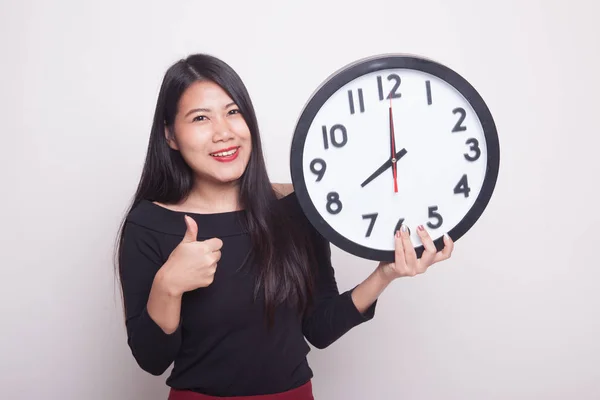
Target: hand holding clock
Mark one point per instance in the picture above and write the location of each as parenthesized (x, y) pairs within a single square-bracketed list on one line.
[(444, 114), (406, 262)]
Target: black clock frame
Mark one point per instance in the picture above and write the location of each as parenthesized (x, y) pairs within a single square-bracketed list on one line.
[(365, 66)]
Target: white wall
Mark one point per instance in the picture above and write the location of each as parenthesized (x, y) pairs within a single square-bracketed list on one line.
[(512, 315)]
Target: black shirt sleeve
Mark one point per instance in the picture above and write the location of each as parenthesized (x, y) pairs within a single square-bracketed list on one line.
[(152, 348), (332, 314)]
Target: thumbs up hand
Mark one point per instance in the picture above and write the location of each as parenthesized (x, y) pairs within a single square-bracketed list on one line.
[(192, 264)]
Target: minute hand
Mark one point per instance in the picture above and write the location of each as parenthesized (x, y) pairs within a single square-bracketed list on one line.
[(385, 166)]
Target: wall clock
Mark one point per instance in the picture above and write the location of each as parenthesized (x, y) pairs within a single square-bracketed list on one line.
[(394, 139)]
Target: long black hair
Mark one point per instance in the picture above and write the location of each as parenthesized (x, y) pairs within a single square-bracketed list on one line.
[(284, 260)]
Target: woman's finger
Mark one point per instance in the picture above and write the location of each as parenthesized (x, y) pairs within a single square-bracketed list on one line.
[(446, 252), (429, 251), (409, 251), (400, 261)]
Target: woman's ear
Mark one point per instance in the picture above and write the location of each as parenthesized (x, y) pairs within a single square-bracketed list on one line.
[(170, 138)]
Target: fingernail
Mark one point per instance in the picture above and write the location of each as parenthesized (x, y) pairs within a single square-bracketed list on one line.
[(446, 236), (397, 234), (403, 227), (420, 227)]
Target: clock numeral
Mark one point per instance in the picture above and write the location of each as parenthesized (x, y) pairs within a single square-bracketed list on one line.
[(399, 224), (333, 136), (334, 205), (462, 186), (428, 88), (458, 126), (435, 215), (322, 167), (361, 103), (474, 146), (392, 94), (372, 217)]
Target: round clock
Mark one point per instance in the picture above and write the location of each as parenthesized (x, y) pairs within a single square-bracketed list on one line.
[(391, 140)]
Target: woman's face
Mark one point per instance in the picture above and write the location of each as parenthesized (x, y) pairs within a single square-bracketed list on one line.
[(211, 134)]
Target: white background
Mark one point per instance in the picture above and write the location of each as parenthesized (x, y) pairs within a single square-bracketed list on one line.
[(514, 314)]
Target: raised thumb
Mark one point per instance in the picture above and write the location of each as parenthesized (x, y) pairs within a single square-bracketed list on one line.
[(191, 233)]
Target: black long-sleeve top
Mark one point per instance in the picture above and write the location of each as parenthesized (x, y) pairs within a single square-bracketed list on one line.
[(222, 346)]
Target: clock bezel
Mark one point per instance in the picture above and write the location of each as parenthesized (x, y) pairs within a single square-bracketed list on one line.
[(355, 70)]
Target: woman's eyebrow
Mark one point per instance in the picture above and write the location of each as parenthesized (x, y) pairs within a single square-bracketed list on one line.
[(197, 110), (207, 109)]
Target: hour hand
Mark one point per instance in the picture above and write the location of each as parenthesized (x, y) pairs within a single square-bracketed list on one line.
[(385, 166)]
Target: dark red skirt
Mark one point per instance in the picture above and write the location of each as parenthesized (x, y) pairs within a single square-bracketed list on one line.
[(303, 392)]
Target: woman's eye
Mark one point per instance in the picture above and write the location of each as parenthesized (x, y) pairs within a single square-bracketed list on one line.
[(199, 118), (234, 111)]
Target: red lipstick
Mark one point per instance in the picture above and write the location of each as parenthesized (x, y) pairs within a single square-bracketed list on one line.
[(227, 158)]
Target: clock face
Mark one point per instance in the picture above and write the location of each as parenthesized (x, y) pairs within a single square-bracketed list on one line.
[(392, 140)]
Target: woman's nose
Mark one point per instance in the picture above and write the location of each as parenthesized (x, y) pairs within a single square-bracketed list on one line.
[(222, 130)]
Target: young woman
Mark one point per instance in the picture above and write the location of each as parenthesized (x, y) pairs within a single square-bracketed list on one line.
[(222, 275)]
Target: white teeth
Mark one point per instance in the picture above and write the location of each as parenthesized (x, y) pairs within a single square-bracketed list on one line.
[(225, 153)]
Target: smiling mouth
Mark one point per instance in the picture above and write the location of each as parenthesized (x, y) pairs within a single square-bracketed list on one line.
[(225, 153)]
